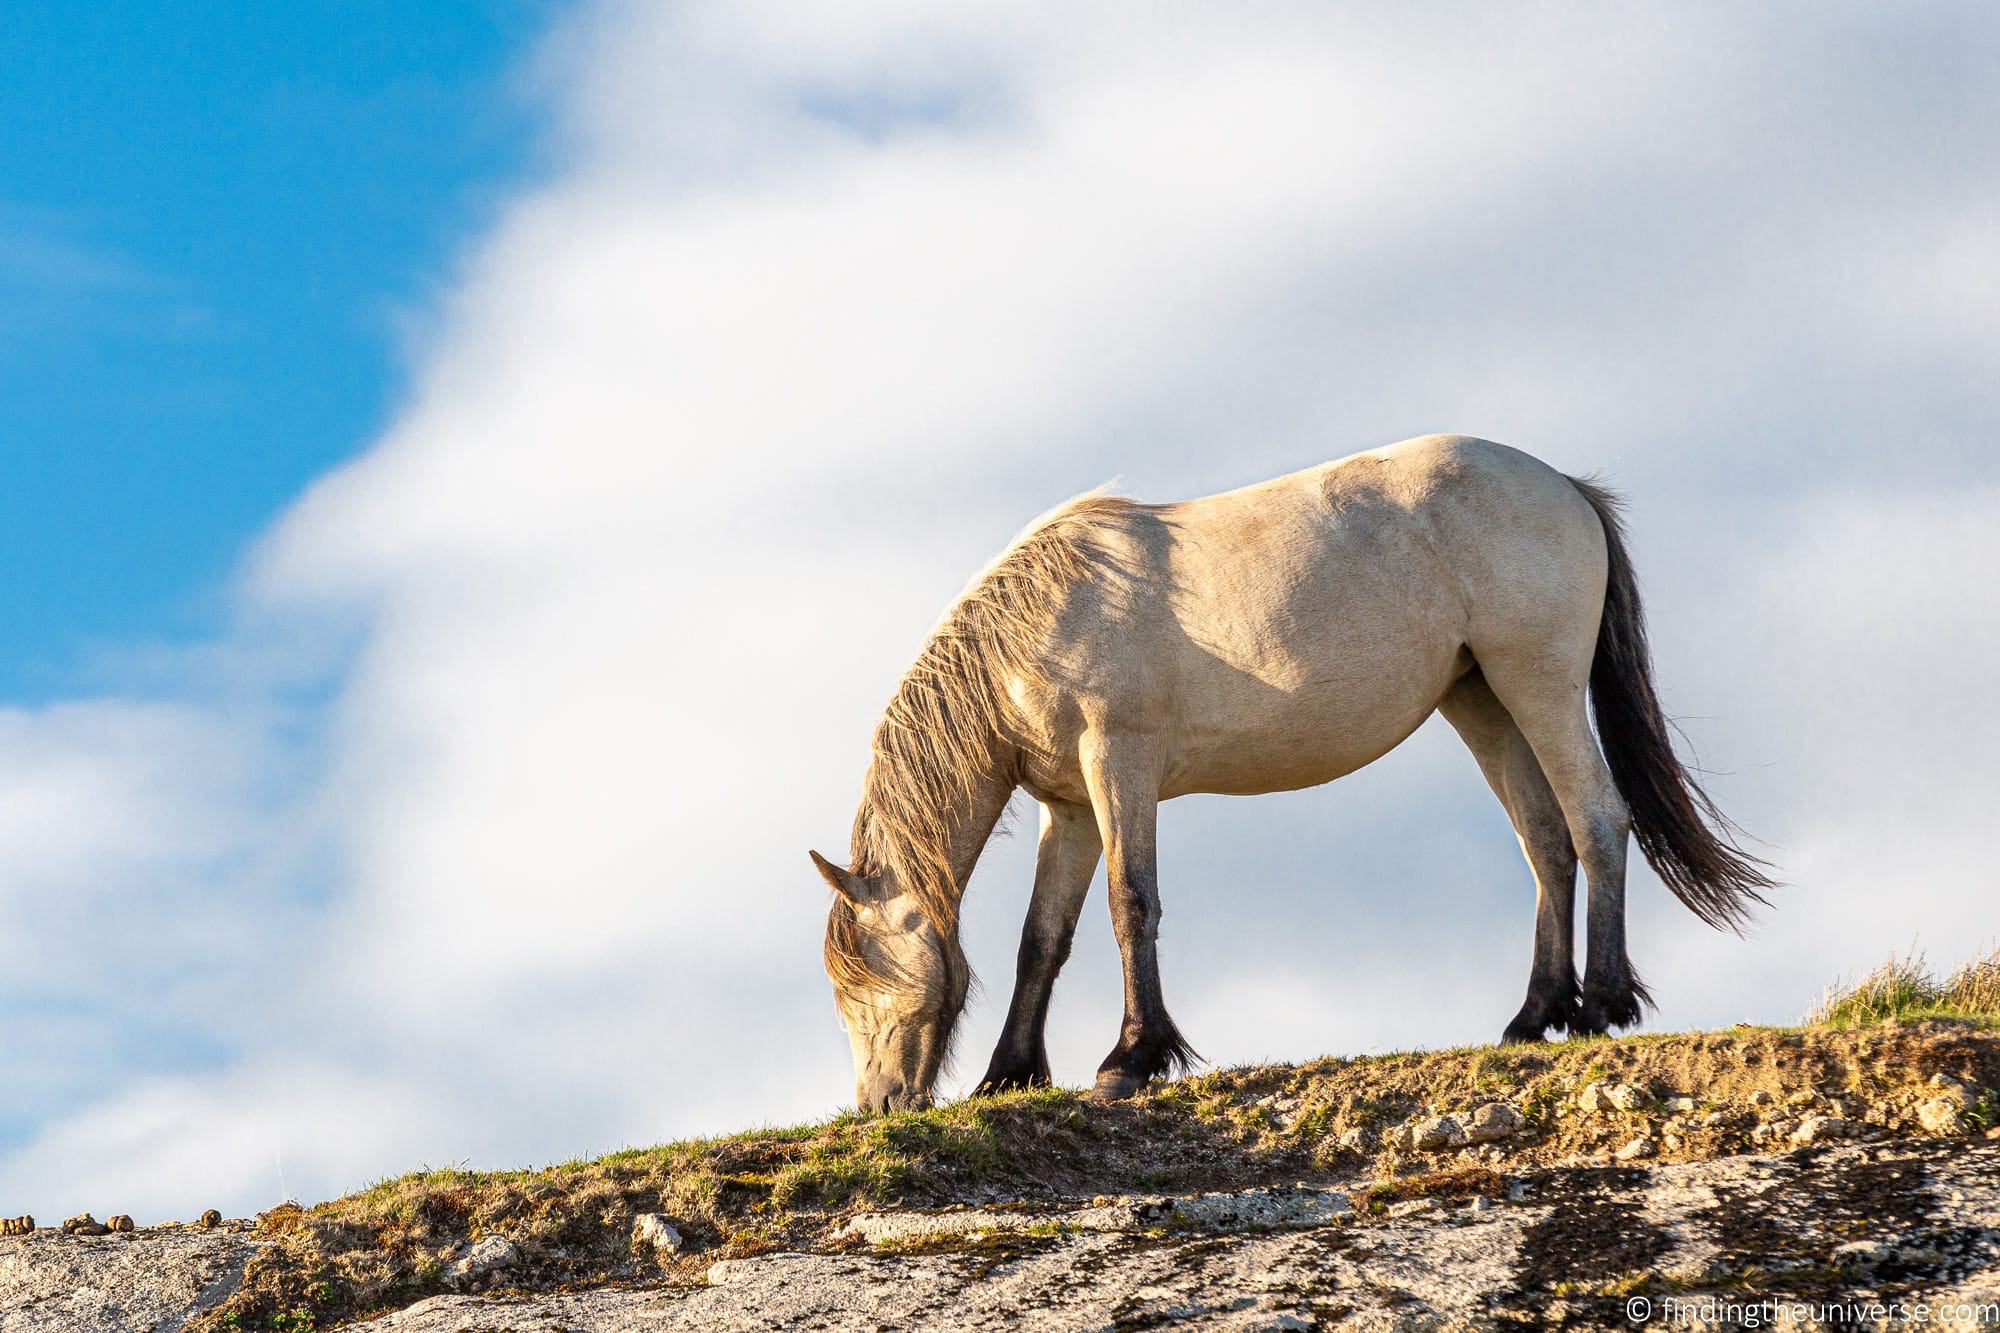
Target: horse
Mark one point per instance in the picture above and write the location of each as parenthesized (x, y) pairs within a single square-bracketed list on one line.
[(1276, 637)]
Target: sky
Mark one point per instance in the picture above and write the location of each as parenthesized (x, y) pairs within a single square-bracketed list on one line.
[(470, 492), (219, 229)]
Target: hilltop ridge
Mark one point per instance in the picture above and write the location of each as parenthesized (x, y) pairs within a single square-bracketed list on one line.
[(1552, 1182)]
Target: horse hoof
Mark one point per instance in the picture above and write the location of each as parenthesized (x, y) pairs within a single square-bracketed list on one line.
[(1590, 1021), (1598, 1017), (1114, 1086), (998, 1082)]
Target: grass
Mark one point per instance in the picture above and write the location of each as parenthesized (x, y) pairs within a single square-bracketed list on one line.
[(1459, 1183), (734, 1184), (1905, 990), (742, 1194)]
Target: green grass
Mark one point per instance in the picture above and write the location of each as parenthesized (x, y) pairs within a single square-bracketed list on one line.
[(1906, 990)]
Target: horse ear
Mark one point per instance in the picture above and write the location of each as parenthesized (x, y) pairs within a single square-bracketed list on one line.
[(843, 882)]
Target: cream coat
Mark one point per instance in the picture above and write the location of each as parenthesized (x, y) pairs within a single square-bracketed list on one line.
[(1267, 639)]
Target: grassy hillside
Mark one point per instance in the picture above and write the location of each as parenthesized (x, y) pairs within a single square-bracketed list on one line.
[(1877, 1059)]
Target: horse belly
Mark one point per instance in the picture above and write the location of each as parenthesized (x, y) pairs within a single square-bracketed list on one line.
[(1310, 657), (1250, 745)]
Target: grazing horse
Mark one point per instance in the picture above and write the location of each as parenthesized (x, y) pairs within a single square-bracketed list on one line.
[(1275, 637)]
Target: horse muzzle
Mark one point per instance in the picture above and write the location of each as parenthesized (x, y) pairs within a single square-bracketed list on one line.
[(891, 1097)]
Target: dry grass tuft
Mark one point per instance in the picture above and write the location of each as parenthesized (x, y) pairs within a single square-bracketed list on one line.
[(1905, 990)]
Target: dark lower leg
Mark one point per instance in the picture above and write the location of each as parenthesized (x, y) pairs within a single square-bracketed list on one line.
[(1612, 993), (1545, 841), (1021, 1058), (1552, 988), (1552, 999), (1065, 860), (1515, 774), (1149, 1044), (1124, 790)]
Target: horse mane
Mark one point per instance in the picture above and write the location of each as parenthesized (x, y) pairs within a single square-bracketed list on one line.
[(950, 728)]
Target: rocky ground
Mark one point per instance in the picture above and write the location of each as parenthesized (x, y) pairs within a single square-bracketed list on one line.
[(1907, 1226), (1850, 1178), (1916, 1226), (154, 1278)]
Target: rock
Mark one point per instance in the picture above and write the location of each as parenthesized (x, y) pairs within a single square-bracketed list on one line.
[(1614, 1097), (1259, 1209), (1419, 1263), (16, 1226), (1354, 1140), (1713, 1119), (120, 1222), (1594, 1097), (1629, 1097), (209, 1220), (652, 1231), (1951, 1090), (1681, 1105), (1761, 1098), (1864, 1251), (1439, 1266), (1495, 1120), (1240, 1210), (1764, 1133), (485, 1256), (1821, 1129), (1801, 1099), (83, 1224), (52, 1283), (1437, 1134), (1637, 1149), (1940, 1115)]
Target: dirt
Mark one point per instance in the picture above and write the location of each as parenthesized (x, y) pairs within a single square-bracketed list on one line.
[(1094, 1217)]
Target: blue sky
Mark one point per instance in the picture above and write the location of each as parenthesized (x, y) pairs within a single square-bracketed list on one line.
[(217, 223)]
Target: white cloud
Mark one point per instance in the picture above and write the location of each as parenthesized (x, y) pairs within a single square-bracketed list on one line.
[(813, 316)]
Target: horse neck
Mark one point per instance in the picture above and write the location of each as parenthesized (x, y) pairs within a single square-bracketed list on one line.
[(968, 822), (972, 826)]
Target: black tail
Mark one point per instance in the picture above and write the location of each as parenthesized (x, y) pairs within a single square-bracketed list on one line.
[(1688, 841)]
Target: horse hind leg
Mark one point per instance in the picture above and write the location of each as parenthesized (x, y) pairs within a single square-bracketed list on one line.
[(1543, 690), (1511, 770), (1065, 860)]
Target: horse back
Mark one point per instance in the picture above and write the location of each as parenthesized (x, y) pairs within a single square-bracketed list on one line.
[(1286, 633)]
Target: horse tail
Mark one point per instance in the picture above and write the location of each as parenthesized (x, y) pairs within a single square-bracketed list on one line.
[(1688, 841)]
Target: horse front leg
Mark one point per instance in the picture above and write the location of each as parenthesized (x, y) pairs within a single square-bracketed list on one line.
[(1065, 859), (1124, 789)]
